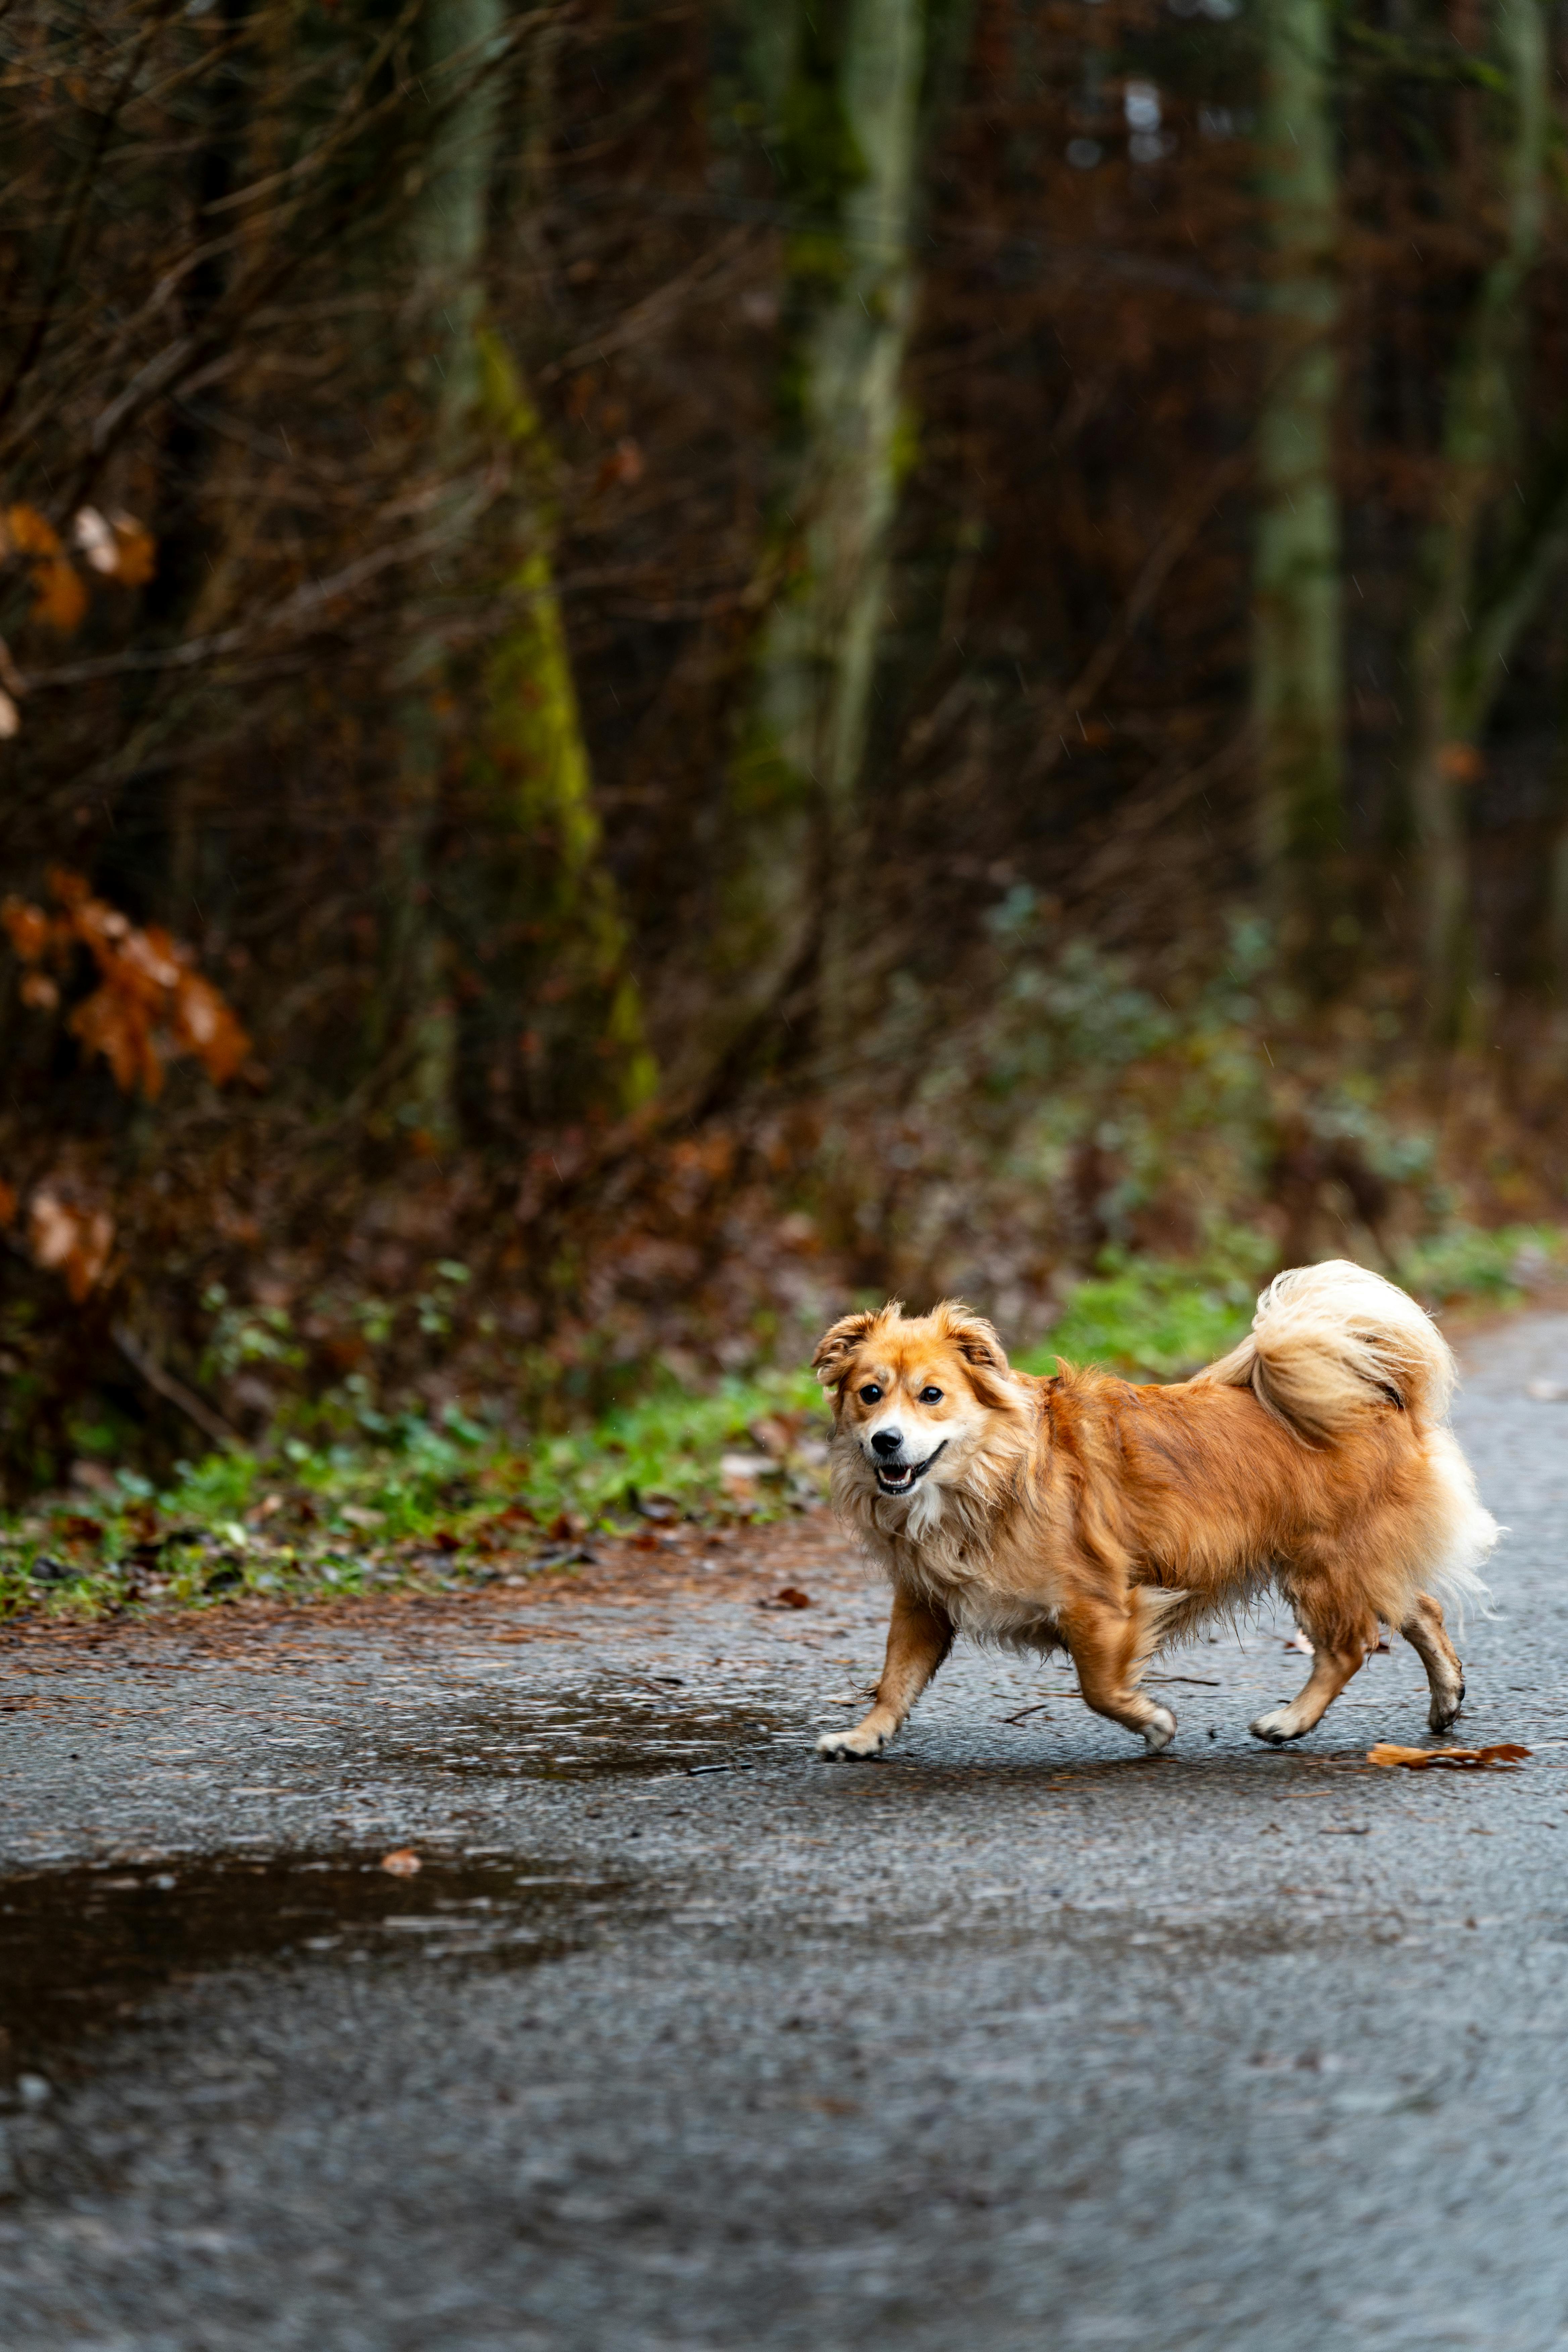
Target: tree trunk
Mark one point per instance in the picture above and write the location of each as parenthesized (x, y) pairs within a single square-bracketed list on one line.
[(850, 107), (411, 1030), (1557, 896), (145, 862), (1451, 689), (1557, 927), (549, 1018), (1297, 663), (509, 998)]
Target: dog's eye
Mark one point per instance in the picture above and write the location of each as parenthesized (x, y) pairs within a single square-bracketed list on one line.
[(931, 1396), (870, 1393)]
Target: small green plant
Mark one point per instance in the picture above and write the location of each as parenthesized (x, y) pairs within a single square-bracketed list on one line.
[(246, 1335)]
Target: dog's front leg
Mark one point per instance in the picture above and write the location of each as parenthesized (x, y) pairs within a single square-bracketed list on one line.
[(918, 1637)]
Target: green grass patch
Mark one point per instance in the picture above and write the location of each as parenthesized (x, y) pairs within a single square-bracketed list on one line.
[(1159, 1318), (1489, 1268), (406, 1502)]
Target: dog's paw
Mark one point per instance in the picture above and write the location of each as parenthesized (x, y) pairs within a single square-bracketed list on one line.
[(1276, 1728), (854, 1746), (1159, 1731), (1444, 1712)]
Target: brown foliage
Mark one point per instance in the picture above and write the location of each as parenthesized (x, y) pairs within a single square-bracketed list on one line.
[(151, 1005), (71, 1241)]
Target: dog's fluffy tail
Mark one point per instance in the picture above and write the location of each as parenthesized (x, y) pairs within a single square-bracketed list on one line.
[(1330, 1342)]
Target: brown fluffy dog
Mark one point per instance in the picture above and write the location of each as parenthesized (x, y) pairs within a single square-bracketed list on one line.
[(1082, 1513)]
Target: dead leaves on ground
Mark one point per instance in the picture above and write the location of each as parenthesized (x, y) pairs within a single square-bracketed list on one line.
[(1505, 1757)]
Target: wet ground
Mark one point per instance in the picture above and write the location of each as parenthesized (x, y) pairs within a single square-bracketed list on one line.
[(680, 2038)]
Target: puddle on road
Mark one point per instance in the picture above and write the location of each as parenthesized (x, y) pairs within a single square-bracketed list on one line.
[(81, 1949), (580, 1736)]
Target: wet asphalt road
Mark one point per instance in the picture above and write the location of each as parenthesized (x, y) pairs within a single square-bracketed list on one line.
[(1015, 2039)]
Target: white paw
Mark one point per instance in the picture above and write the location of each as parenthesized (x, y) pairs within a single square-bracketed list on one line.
[(1276, 1728), (1444, 1712), (855, 1745), (1160, 1730)]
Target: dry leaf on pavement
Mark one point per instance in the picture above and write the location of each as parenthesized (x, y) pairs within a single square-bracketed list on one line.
[(1505, 1755)]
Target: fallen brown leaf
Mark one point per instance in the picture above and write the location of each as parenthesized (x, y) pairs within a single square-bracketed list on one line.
[(403, 1862), (1503, 1756)]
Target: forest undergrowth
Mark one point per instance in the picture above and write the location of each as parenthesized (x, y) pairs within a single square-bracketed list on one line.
[(372, 1502), (1105, 1159), (297, 1373)]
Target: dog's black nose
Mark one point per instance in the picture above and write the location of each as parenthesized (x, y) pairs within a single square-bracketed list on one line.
[(887, 1441)]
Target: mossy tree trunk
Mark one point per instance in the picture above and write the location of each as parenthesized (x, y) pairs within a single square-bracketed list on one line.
[(1298, 659), (508, 951), (1458, 650), (411, 1027), (843, 87), (548, 1015)]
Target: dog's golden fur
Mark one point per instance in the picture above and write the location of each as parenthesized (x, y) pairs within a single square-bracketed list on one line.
[(1092, 1515)]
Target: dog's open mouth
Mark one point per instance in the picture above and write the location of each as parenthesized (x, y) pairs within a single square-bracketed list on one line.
[(899, 1480)]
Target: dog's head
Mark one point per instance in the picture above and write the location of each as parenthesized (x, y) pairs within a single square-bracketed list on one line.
[(916, 1397)]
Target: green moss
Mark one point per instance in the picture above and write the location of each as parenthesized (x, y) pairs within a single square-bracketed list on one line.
[(539, 879)]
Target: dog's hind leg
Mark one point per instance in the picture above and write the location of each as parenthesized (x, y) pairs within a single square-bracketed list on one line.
[(1428, 1636), (1340, 1635), (918, 1637), (1108, 1646)]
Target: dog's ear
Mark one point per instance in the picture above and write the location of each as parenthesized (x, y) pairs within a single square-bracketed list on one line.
[(975, 1339), (836, 1345)]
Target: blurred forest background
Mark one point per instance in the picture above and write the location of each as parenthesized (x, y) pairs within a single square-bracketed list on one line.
[(665, 662)]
